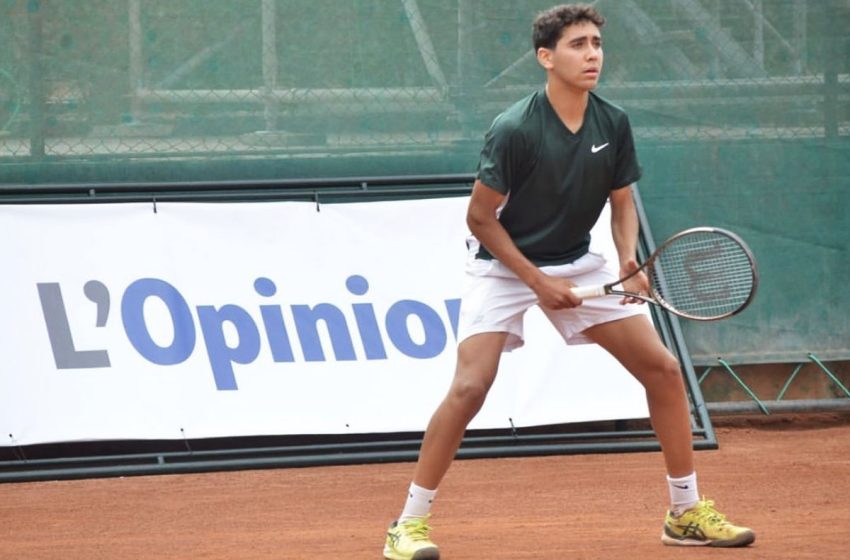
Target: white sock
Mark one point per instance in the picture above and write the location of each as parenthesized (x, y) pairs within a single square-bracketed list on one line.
[(683, 493), (418, 503)]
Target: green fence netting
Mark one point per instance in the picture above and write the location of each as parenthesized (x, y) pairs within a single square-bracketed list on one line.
[(741, 111)]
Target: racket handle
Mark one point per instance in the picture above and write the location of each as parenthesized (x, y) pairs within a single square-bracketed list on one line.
[(585, 292)]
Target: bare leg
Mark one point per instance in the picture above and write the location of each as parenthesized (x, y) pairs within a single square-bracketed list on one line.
[(636, 344), (477, 363)]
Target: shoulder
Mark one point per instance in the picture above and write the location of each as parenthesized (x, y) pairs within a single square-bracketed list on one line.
[(517, 119), (607, 107), (607, 111)]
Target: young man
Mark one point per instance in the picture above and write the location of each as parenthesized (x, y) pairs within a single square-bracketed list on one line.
[(548, 166)]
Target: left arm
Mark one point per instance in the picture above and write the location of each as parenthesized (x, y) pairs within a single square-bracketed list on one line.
[(624, 231)]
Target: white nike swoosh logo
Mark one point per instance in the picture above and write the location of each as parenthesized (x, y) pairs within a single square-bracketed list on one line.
[(594, 148)]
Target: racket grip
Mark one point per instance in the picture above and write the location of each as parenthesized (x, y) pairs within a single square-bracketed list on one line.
[(585, 292)]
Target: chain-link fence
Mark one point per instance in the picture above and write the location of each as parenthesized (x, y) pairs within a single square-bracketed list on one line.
[(177, 78)]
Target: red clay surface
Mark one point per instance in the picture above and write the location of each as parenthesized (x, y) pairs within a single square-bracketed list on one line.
[(788, 479)]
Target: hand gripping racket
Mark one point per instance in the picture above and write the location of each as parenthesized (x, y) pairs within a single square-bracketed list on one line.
[(703, 273)]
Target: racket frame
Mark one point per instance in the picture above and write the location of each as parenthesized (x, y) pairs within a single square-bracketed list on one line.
[(655, 296)]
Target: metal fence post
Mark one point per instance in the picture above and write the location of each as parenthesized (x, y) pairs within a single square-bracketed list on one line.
[(36, 79), (269, 34)]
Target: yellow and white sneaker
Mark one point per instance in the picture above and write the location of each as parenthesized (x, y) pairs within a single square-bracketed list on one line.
[(702, 525), (409, 541)]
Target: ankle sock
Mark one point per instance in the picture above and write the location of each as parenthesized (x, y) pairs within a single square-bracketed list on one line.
[(418, 502), (683, 493)]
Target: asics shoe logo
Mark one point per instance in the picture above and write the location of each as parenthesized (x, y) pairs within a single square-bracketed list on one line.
[(691, 530)]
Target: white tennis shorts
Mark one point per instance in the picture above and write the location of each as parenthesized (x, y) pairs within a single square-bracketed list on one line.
[(495, 300)]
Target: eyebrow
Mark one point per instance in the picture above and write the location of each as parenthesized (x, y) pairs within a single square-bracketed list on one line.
[(583, 38)]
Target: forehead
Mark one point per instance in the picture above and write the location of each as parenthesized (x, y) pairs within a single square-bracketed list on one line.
[(580, 30)]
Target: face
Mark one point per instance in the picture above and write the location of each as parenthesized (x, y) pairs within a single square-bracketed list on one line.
[(576, 59)]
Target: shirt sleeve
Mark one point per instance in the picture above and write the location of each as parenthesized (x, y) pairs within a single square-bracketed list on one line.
[(628, 169), (501, 162)]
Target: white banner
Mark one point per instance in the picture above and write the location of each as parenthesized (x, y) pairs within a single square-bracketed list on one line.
[(237, 319)]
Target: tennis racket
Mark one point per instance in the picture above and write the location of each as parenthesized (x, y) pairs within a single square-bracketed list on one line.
[(702, 273)]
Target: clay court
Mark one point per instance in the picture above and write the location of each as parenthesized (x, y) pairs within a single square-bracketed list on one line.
[(785, 476)]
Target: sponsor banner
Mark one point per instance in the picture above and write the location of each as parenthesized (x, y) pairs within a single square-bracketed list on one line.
[(236, 319)]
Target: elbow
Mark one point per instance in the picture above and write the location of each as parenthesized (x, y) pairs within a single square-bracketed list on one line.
[(478, 220), (474, 219)]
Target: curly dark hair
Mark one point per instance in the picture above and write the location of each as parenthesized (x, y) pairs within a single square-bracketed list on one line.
[(548, 26)]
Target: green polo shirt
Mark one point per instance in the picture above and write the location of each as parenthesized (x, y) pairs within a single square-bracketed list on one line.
[(556, 182)]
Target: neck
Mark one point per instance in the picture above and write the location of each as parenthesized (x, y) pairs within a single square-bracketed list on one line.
[(568, 102)]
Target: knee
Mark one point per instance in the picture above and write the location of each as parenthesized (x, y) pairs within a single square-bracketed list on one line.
[(670, 368), (664, 372), (469, 394)]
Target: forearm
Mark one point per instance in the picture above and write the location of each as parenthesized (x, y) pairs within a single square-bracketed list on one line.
[(490, 233), (624, 228)]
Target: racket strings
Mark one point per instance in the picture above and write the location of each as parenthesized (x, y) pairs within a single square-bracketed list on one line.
[(704, 274)]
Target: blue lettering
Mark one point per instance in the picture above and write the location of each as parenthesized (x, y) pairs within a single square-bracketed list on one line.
[(132, 315), (414, 328), (453, 309), (367, 324), (435, 332), (221, 355), (273, 320), (306, 323)]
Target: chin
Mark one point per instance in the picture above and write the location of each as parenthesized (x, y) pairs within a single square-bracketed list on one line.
[(586, 83)]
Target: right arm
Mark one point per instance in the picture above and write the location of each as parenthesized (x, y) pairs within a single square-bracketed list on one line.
[(552, 292)]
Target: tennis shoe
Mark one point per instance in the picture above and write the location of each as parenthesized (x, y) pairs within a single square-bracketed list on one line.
[(702, 525), (409, 540)]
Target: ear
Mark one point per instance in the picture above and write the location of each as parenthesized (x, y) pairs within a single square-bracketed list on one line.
[(544, 57)]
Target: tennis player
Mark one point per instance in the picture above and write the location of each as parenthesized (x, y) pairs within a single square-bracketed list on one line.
[(549, 164)]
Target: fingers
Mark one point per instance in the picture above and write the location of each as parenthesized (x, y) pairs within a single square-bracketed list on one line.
[(627, 300), (562, 300), (557, 293), (565, 302)]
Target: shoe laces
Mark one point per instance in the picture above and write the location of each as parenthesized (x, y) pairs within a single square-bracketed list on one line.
[(704, 511), (417, 529)]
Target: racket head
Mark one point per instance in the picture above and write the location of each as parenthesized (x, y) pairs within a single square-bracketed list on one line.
[(704, 274)]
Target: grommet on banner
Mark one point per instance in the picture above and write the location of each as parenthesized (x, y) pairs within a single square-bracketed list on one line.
[(186, 441), (17, 449)]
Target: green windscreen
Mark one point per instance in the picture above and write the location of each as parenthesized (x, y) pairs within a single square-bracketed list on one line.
[(740, 108)]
